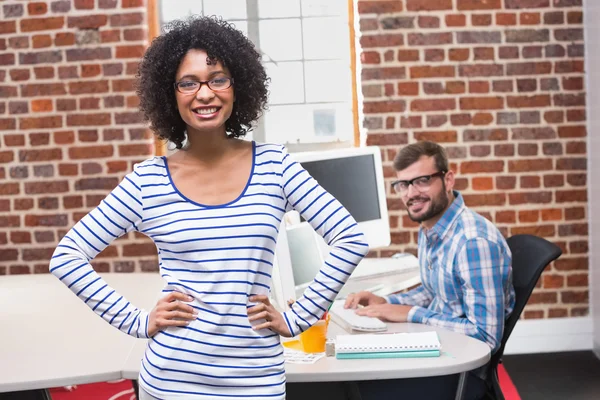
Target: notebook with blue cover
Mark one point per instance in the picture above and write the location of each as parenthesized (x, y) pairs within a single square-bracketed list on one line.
[(394, 345)]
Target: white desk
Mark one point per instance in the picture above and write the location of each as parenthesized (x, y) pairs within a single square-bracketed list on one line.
[(50, 338), (45, 335), (459, 354)]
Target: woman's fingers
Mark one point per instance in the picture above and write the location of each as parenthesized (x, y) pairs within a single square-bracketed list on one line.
[(171, 310), (259, 311), (257, 308), (270, 318), (181, 315), (178, 305), (264, 325), (262, 311), (257, 316), (163, 323), (178, 296), (260, 298)]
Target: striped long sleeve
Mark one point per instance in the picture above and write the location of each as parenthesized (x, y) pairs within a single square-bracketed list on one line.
[(119, 213), (332, 221)]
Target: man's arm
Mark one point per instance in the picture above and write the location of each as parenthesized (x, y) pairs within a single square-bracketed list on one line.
[(418, 296), (483, 268)]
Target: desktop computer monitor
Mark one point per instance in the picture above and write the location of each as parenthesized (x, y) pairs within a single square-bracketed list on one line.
[(354, 177)]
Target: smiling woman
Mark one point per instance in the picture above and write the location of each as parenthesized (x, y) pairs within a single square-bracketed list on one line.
[(225, 51), (214, 209)]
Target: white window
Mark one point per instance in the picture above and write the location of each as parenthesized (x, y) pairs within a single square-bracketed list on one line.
[(305, 47)]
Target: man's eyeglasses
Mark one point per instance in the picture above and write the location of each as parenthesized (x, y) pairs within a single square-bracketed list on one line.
[(421, 183), (192, 87)]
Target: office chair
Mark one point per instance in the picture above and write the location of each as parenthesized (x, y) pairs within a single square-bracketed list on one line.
[(530, 255)]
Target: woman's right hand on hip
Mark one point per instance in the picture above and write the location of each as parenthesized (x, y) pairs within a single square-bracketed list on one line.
[(171, 310)]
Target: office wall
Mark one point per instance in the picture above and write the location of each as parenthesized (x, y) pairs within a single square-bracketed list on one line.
[(501, 84), (69, 125)]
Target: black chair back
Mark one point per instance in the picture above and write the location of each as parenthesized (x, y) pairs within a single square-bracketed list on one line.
[(530, 255)]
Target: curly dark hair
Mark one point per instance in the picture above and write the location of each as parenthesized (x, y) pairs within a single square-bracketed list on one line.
[(221, 41)]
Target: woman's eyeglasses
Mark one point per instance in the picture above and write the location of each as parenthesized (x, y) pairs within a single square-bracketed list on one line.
[(192, 87)]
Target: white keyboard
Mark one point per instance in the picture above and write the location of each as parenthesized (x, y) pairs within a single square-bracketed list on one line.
[(373, 267), (350, 321), (355, 286)]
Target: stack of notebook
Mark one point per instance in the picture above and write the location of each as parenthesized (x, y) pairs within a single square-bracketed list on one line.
[(394, 345)]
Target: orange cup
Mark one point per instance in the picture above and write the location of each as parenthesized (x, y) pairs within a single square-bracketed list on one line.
[(313, 339)]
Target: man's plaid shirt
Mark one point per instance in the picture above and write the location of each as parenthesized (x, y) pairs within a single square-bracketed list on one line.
[(466, 277)]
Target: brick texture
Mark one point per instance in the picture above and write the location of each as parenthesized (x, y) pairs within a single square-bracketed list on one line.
[(501, 85), (69, 129)]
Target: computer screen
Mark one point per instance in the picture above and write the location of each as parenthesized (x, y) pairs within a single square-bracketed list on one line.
[(352, 181), (354, 177)]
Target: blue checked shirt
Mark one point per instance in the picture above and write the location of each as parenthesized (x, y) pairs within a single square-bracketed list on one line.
[(466, 277)]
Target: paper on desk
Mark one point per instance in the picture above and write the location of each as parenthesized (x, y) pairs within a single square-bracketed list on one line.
[(300, 357)]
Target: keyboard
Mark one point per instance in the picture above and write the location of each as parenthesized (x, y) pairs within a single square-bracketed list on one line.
[(350, 321), (370, 268), (355, 286), (374, 267)]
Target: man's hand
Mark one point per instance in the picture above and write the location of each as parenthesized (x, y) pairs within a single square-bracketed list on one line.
[(386, 312), (170, 311), (363, 298), (273, 318)]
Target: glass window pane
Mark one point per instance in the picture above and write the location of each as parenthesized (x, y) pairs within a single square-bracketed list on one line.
[(287, 82), (230, 9), (281, 39), (324, 122), (326, 38), (309, 123), (287, 124), (343, 123), (194, 7), (328, 81), (178, 9), (316, 8), (242, 26), (278, 8)]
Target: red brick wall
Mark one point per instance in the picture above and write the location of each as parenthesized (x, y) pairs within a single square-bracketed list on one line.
[(500, 83), (69, 125)]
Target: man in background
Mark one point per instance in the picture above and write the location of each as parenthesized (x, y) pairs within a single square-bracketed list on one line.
[(465, 268)]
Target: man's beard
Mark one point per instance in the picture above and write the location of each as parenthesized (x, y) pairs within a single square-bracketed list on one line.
[(437, 205)]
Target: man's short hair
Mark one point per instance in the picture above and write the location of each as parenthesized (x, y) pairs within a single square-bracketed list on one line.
[(410, 154)]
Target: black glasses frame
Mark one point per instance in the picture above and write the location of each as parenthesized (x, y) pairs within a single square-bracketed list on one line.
[(410, 182), (207, 83)]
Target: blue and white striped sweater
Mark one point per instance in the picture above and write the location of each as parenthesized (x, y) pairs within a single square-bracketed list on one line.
[(219, 255)]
